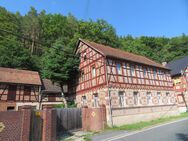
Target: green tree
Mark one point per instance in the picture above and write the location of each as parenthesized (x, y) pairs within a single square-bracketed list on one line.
[(14, 56), (31, 29), (59, 64)]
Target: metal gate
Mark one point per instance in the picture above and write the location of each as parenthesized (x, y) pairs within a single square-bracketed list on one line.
[(36, 126), (68, 119)]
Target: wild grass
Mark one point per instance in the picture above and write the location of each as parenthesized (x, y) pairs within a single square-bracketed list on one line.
[(144, 124)]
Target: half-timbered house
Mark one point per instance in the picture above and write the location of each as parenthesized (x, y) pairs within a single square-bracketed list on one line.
[(51, 93), (18, 88), (23, 87), (132, 87), (179, 74)]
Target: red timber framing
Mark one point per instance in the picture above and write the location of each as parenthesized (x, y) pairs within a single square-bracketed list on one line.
[(132, 75), (129, 75), (24, 93), (92, 69)]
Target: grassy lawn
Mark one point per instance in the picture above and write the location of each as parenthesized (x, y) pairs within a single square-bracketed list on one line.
[(144, 124)]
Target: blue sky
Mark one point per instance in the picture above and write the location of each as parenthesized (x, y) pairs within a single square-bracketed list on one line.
[(135, 17)]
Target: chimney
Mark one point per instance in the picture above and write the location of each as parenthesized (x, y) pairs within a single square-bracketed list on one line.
[(164, 63)]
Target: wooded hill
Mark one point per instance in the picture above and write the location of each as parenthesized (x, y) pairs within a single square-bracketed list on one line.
[(46, 42)]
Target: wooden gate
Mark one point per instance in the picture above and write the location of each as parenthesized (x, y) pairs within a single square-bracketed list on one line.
[(68, 119), (36, 126)]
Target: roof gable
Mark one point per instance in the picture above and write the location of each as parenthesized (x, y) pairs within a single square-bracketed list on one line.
[(84, 42), (120, 54), (9, 75)]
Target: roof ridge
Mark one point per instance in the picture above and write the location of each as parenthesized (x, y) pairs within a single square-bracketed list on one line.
[(131, 56), (18, 70), (178, 59)]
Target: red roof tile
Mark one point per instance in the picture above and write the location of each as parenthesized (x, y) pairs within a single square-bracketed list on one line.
[(120, 54), (8, 75)]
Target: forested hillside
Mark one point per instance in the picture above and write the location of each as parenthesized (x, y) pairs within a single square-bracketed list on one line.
[(46, 42)]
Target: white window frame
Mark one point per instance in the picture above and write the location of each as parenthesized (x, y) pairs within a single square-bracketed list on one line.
[(95, 100), (121, 98), (135, 96), (148, 94), (119, 68), (84, 100), (93, 71)]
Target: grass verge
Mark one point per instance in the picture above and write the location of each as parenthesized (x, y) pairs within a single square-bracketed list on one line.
[(144, 124), (136, 126)]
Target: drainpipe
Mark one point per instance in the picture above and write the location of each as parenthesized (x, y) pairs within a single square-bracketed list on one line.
[(40, 97), (183, 94), (109, 97)]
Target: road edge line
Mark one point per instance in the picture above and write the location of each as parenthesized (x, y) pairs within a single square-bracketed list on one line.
[(142, 130)]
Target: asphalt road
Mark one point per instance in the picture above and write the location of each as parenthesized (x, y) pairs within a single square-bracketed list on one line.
[(176, 131)]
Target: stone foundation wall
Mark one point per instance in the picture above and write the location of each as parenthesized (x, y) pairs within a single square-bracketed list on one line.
[(149, 107), (102, 94), (129, 115)]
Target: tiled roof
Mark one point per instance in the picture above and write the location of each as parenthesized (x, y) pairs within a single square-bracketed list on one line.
[(178, 65), (9, 75), (120, 54), (49, 87)]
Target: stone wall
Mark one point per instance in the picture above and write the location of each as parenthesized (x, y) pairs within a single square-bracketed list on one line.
[(123, 116), (149, 107)]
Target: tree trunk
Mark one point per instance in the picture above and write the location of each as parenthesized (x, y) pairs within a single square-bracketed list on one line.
[(63, 96)]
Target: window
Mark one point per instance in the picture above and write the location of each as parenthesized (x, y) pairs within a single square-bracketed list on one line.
[(95, 100), (84, 101), (12, 92), (93, 71), (121, 99), (84, 55), (82, 76), (10, 108), (132, 71), (27, 90), (135, 96), (110, 62), (155, 73), (148, 97), (167, 94), (119, 68), (125, 65), (158, 95), (145, 72), (51, 98)]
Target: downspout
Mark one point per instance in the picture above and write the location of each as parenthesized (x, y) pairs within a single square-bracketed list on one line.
[(40, 97), (109, 97), (183, 94)]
